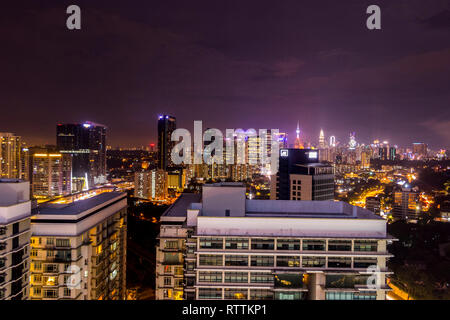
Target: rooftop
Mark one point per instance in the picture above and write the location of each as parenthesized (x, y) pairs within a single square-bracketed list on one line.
[(179, 207), (77, 207)]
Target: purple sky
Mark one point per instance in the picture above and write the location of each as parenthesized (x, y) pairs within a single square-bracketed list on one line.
[(232, 64)]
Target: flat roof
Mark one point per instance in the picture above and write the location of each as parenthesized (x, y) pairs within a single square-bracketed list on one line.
[(180, 206), (77, 207)]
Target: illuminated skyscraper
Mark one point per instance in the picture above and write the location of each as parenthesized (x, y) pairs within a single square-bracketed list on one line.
[(50, 173), (321, 139), (166, 125), (352, 143), (298, 142), (10, 156), (86, 143), (151, 185), (332, 141)]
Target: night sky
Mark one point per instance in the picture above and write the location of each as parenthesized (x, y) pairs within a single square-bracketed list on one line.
[(233, 64)]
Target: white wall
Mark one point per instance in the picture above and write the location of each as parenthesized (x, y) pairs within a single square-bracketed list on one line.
[(297, 227)]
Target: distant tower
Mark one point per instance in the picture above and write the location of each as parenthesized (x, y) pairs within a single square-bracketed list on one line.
[(332, 141), (352, 142), (298, 143), (166, 125), (321, 139)]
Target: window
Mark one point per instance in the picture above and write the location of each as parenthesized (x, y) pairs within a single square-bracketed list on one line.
[(260, 277), (236, 277), (210, 293), (339, 295), (211, 243), (236, 243), (236, 260), (33, 253), (37, 266), (288, 244), (314, 245), (339, 245), (207, 276), (37, 278), (167, 269), (63, 242), (236, 294), (289, 295), (67, 292), (364, 262), (345, 281), (178, 271), (36, 291), (51, 268), (368, 295), (170, 244), (167, 281), (261, 294), (288, 261), (366, 245), (50, 241), (178, 283), (262, 261), (210, 260), (50, 293), (172, 258), (313, 262), (262, 244), (339, 262)]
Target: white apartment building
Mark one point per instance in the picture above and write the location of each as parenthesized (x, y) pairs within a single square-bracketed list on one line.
[(233, 248), (15, 210)]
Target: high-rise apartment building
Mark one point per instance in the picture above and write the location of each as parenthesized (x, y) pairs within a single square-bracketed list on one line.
[(50, 174), (15, 211), (86, 144), (219, 245), (151, 185), (78, 247), (406, 205), (10, 156), (302, 177), (166, 125)]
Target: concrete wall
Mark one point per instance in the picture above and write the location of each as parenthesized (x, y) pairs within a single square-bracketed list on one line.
[(216, 200)]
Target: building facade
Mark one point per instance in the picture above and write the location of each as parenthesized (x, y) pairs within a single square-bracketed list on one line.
[(86, 144), (166, 125), (50, 173), (15, 211), (151, 185), (302, 177), (11, 164), (78, 248), (233, 248)]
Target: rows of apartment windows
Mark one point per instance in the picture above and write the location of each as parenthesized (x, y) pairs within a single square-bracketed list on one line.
[(288, 244), (286, 261), (264, 294)]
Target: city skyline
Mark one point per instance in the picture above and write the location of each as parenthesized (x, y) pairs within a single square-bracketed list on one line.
[(248, 66)]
